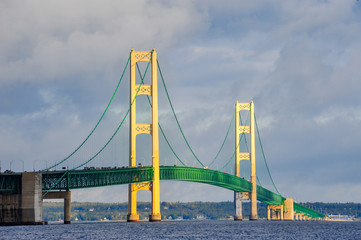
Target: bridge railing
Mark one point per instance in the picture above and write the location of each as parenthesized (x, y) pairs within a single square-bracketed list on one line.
[(88, 178), (95, 178), (10, 182)]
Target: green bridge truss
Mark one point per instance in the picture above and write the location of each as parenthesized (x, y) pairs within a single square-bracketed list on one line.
[(76, 179)]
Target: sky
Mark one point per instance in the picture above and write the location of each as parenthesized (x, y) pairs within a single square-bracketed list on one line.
[(299, 61)]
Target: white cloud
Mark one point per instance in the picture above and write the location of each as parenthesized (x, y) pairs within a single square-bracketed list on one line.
[(63, 39), (339, 114), (298, 60)]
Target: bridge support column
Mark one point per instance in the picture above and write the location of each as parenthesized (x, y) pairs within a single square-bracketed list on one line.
[(67, 208), (238, 206), (238, 197), (275, 215), (66, 195), (132, 204), (31, 202), (275, 212), (289, 213), (10, 208), (25, 207)]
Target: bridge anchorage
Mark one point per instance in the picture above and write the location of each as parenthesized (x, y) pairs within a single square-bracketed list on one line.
[(22, 193)]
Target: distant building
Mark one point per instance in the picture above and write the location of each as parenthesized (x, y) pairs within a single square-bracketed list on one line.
[(339, 217), (200, 216)]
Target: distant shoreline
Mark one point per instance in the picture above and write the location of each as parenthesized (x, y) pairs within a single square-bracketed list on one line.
[(177, 211)]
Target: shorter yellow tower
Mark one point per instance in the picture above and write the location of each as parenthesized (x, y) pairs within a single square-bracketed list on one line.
[(144, 128), (246, 156)]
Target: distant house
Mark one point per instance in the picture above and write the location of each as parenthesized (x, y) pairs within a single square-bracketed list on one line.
[(200, 216), (340, 217)]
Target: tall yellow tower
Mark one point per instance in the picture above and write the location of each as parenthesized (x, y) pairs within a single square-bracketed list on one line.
[(144, 128), (246, 156)]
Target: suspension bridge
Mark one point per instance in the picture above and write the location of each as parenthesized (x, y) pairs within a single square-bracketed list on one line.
[(232, 168)]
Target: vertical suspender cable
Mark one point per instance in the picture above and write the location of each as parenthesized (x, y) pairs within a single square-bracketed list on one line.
[(175, 116), (264, 157), (225, 138), (160, 127), (142, 82), (101, 118), (234, 152)]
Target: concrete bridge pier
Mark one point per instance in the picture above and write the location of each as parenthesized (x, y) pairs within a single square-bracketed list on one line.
[(238, 197), (10, 208), (288, 210), (238, 206), (66, 195), (279, 215), (275, 212), (25, 206), (31, 202)]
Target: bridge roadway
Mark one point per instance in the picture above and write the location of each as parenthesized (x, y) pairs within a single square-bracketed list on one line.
[(89, 178)]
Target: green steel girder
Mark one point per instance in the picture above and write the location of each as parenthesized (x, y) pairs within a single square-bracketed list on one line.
[(95, 178), (10, 182), (269, 197), (207, 176), (63, 180), (75, 179), (307, 211)]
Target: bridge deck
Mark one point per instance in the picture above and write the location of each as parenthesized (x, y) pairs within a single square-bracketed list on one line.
[(76, 179)]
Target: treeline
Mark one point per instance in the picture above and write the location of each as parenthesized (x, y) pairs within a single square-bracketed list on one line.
[(53, 211), (86, 211), (350, 209)]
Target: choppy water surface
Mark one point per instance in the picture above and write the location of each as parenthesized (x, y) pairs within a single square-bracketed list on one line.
[(187, 230)]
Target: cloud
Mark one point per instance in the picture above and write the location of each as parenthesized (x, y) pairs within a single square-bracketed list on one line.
[(84, 37), (298, 61)]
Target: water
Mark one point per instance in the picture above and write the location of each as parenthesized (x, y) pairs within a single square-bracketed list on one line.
[(188, 230)]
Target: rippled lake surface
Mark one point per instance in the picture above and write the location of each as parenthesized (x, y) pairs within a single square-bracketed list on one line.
[(188, 230)]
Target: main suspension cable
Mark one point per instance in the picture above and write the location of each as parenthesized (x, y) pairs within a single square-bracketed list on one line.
[(97, 124), (234, 152), (225, 138), (111, 138), (264, 156), (160, 127)]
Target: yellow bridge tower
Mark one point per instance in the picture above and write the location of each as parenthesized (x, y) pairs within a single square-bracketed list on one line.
[(238, 196), (144, 128)]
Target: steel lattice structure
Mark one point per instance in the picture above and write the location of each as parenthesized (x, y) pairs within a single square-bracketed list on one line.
[(77, 179)]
